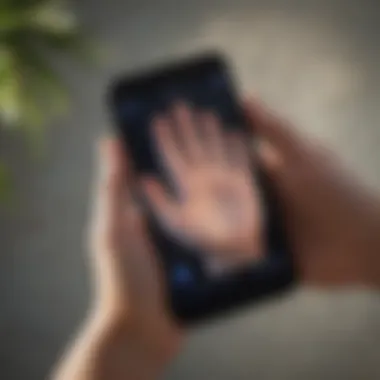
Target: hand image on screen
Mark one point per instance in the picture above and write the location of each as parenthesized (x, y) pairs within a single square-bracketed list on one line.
[(217, 206)]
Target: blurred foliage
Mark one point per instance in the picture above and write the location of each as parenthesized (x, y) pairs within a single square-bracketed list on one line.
[(31, 91)]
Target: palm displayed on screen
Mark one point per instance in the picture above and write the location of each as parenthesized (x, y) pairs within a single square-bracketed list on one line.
[(217, 205)]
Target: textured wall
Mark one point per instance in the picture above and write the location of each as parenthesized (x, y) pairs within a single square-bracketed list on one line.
[(316, 61)]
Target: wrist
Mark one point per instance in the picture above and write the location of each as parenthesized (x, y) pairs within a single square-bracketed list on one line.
[(144, 348), (120, 351)]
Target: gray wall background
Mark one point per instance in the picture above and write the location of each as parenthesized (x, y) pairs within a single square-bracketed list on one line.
[(314, 61)]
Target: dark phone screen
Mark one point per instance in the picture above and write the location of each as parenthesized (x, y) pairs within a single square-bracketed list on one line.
[(196, 288)]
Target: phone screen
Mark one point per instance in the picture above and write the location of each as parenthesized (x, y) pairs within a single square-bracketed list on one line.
[(199, 283)]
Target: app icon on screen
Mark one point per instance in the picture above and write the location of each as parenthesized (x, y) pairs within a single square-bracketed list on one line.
[(182, 275)]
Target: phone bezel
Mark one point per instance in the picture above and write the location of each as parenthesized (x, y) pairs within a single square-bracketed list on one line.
[(237, 289)]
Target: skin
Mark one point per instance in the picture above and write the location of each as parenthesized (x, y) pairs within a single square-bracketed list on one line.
[(129, 332), (332, 224), (218, 207), (332, 221)]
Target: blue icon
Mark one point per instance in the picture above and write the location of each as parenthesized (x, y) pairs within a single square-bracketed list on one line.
[(182, 275)]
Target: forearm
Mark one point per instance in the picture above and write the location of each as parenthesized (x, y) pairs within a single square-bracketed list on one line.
[(104, 350)]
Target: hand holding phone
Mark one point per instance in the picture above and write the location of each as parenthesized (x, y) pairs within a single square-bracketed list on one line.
[(332, 222), (213, 217)]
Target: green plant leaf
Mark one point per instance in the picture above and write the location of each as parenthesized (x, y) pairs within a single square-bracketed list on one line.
[(10, 105), (31, 91), (53, 17), (12, 20)]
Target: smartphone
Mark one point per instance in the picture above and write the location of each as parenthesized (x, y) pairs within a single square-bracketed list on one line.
[(195, 289)]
